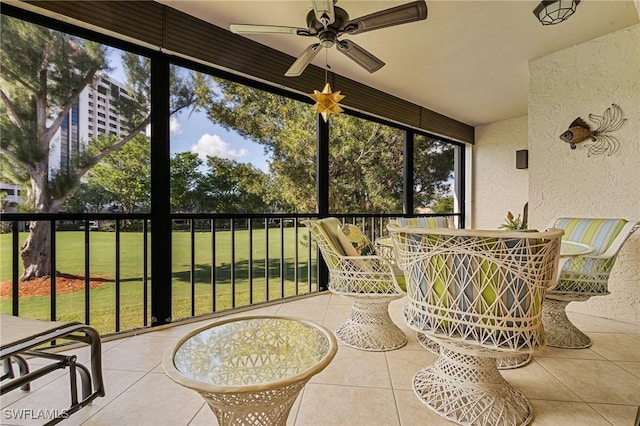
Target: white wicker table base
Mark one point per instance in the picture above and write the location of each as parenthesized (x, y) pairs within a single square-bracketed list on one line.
[(514, 361), (561, 333), (267, 408), (469, 390), (370, 328)]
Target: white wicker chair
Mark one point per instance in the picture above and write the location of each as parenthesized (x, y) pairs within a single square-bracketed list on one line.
[(479, 295), (384, 246), (369, 282), (583, 277)]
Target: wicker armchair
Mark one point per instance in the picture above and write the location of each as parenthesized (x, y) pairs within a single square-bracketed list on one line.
[(583, 277), (384, 247), (369, 282), (478, 294)]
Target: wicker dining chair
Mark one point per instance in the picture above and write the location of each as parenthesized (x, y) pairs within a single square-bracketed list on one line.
[(583, 277), (478, 294), (384, 247), (369, 281)]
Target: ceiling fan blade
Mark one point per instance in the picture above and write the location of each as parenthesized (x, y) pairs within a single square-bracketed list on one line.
[(403, 14), (362, 57), (324, 12), (305, 59), (267, 29)]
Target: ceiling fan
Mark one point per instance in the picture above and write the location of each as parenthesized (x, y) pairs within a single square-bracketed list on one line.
[(327, 22)]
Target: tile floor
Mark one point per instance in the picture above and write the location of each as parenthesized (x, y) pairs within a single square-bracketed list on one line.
[(595, 386)]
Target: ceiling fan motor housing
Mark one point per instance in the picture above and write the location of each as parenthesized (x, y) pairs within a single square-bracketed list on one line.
[(316, 27)]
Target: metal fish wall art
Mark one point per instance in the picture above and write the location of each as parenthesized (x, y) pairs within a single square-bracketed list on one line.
[(603, 142)]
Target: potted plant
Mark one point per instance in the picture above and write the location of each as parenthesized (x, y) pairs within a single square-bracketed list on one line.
[(513, 223)]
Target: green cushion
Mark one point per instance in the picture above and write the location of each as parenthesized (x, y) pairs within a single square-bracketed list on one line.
[(588, 274), (599, 233), (325, 231), (354, 242)]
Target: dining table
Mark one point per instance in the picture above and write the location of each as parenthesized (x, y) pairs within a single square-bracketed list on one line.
[(568, 249)]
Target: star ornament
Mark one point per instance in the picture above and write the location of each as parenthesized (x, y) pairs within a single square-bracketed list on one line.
[(327, 102)]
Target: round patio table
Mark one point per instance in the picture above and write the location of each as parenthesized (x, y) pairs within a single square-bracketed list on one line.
[(251, 369), (568, 249)]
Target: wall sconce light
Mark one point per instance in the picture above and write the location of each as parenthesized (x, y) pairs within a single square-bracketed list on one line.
[(522, 159), (551, 12)]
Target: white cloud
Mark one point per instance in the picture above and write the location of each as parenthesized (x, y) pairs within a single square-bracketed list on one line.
[(175, 128), (214, 146)]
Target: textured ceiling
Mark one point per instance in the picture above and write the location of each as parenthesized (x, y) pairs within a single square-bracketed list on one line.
[(468, 60)]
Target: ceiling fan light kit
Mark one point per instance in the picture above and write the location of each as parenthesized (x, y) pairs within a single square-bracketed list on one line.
[(553, 12), (328, 22)]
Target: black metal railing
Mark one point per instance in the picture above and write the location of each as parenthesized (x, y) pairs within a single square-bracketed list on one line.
[(220, 262)]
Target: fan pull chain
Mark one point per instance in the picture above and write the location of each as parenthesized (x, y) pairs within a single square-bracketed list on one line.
[(326, 66)]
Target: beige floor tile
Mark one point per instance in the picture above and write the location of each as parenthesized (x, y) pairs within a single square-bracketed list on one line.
[(595, 386), (588, 323), (404, 364), (144, 353), (55, 396), (319, 299), (593, 323), (17, 394), (414, 412), (331, 325), (537, 383), (266, 310), (412, 340), (204, 417), (631, 367), (329, 405), (626, 327), (549, 351), (115, 382), (303, 311), (556, 413), (595, 381), (338, 313), (183, 330), (153, 400), (616, 346), (336, 299), (617, 415), (355, 367)]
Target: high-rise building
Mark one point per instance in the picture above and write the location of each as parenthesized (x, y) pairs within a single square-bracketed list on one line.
[(93, 114)]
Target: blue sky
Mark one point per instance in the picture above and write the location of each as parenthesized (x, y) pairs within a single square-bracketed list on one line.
[(193, 132)]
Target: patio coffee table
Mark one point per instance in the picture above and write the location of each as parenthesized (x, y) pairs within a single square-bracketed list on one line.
[(251, 369)]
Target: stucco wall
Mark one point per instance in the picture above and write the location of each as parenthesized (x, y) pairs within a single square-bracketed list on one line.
[(498, 187), (575, 82)]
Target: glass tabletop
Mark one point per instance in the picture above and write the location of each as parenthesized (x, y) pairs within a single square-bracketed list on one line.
[(250, 351)]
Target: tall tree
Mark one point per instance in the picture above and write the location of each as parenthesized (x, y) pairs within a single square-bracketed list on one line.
[(230, 186), (366, 163), (43, 73), (186, 182), (126, 175), (88, 197)]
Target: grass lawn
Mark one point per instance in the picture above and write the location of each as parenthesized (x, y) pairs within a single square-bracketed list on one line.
[(232, 285)]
